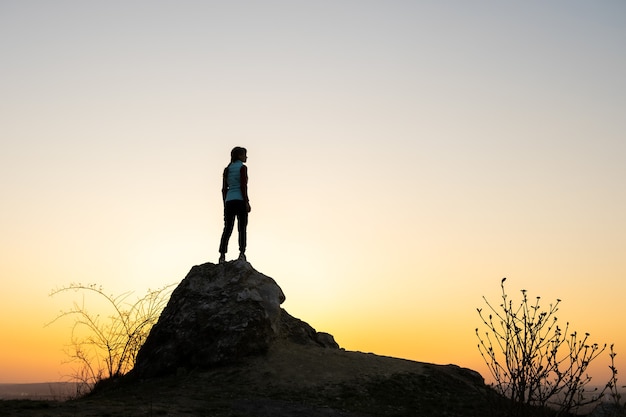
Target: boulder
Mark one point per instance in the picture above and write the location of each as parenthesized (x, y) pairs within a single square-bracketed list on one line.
[(217, 315)]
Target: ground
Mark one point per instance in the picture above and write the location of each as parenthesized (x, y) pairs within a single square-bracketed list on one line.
[(290, 380)]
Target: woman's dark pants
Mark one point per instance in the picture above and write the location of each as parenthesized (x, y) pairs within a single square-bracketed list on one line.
[(232, 209)]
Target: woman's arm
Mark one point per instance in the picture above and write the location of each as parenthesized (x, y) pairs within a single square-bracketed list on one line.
[(243, 175), (224, 184)]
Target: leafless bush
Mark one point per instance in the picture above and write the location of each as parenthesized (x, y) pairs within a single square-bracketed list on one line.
[(533, 361), (106, 346)]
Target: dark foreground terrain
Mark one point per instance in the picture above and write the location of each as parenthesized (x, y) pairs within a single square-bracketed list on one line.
[(291, 380)]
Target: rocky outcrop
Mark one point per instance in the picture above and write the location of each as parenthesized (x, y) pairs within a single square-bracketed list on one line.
[(219, 314), (298, 331)]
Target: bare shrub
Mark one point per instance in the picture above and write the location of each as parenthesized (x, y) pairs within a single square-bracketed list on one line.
[(533, 361), (106, 346)]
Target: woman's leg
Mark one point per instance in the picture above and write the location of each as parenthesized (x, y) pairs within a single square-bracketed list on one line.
[(229, 223), (242, 225)]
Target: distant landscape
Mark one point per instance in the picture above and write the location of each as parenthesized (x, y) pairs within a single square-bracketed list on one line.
[(57, 391)]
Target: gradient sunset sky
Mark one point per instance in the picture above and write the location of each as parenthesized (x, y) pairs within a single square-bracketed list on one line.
[(404, 156)]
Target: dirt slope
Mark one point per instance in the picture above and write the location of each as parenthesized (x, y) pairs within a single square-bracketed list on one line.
[(291, 380)]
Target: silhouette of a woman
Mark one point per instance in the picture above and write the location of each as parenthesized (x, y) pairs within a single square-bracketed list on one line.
[(236, 203)]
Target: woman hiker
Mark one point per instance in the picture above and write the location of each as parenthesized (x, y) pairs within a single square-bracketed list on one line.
[(236, 203)]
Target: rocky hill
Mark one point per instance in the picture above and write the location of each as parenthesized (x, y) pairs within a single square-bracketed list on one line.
[(223, 346)]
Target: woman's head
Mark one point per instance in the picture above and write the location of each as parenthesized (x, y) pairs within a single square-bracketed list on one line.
[(238, 154)]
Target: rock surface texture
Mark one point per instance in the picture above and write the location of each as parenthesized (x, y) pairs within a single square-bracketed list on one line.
[(220, 314)]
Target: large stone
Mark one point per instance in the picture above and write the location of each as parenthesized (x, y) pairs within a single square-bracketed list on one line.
[(217, 315)]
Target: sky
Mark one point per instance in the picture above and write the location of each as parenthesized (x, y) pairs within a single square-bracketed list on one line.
[(403, 156)]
